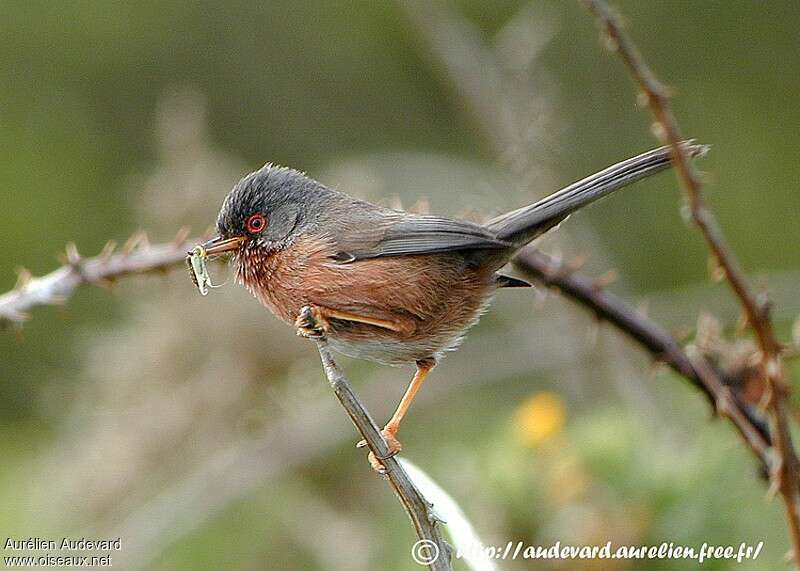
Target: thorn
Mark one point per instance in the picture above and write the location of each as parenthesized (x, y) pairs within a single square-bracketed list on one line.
[(766, 400), (576, 263), (565, 269), (557, 258), (773, 368), (24, 277), (182, 235), (108, 249), (434, 517), (775, 477), (395, 203), (136, 239), (605, 280), (610, 43), (741, 323), (72, 255), (658, 130), (643, 308), (788, 557), (421, 206), (715, 270)]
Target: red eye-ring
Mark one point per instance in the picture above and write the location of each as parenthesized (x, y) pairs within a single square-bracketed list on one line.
[(256, 223)]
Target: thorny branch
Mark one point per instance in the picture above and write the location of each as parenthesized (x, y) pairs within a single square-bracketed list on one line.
[(663, 346), (135, 257), (784, 468)]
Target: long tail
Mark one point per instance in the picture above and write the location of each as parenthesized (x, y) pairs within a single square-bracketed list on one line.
[(524, 224)]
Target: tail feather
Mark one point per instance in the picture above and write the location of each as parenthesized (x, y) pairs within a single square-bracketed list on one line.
[(524, 224)]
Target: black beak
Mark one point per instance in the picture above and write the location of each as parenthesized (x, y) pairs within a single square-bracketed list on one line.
[(219, 245)]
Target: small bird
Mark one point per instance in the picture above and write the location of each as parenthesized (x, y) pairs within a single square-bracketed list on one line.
[(382, 284)]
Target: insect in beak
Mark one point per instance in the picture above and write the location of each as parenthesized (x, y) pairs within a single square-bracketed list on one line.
[(196, 259)]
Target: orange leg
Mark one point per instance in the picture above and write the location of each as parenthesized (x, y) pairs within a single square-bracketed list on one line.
[(423, 368), (390, 430)]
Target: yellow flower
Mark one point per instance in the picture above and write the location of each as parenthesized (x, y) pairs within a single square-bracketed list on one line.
[(539, 418)]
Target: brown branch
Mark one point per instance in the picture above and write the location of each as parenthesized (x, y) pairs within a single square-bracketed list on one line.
[(417, 507), (784, 469), (654, 339)]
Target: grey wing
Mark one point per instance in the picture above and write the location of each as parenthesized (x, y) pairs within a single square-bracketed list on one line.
[(408, 235)]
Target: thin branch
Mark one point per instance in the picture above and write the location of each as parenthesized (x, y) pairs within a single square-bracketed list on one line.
[(654, 339), (784, 470), (136, 257), (417, 507)]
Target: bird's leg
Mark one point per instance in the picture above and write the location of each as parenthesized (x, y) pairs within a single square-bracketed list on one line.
[(313, 321), (389, 431)]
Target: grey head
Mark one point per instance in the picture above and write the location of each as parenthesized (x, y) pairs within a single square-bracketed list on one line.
[(272, 206)]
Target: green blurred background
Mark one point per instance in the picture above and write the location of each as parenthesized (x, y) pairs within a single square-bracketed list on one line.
[(202, 432)]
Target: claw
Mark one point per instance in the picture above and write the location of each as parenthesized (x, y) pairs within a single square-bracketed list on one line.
[(310, 323), (394, 448)]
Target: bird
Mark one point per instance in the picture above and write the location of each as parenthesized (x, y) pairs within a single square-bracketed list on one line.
[(383, 284)]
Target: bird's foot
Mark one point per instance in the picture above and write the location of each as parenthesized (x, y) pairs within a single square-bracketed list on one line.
[(394, 448), (311, 323)]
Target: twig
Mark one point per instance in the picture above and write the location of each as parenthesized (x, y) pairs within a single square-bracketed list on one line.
[(784, 469), (417, 507), (57, 286), (663, 346)]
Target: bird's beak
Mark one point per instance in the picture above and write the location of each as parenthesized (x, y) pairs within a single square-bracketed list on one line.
[(219, 245)]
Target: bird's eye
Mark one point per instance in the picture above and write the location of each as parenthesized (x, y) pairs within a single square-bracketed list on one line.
[(256, 223)]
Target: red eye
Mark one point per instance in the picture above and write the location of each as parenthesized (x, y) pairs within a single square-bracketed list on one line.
[(256, 223)]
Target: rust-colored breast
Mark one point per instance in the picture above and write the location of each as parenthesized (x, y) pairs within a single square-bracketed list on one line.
[(435, 298), (279, 279)]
